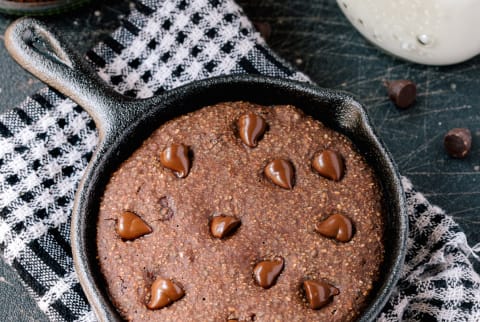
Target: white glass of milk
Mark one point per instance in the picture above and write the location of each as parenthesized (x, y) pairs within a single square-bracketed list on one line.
[(432, 32)]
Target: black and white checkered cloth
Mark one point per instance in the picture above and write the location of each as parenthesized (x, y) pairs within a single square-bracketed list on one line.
[(46, 142)]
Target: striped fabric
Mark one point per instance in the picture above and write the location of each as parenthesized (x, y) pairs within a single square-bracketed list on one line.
[(47, 141)]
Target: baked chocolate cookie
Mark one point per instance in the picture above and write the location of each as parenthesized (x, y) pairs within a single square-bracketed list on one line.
[(242, 212)]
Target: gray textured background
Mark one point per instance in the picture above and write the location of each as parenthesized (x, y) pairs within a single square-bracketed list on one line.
[(315, 37)]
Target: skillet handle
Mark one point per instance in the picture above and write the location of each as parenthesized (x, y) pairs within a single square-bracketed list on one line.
[(44, 54)]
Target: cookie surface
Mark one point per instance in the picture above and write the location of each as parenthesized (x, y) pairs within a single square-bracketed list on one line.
[(227, 177)]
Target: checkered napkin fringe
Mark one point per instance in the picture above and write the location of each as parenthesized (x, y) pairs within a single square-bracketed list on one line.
[(46, 143)]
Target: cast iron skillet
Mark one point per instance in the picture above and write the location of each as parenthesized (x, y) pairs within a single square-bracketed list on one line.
[(123, 123)]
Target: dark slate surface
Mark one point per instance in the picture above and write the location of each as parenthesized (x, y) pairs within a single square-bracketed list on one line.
[(314, 36)]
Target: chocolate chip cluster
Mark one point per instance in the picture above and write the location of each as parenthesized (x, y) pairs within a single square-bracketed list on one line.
[(251, 127)]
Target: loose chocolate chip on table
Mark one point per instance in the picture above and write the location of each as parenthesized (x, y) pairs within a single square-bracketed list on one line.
[(250, 128), (163, 292), (264, 28), (222, 226), (175, 157), (319, 293), (458, 142), (266, 272), (402, 92), (336, 226), (329, 164), (130, 226), (280, 172)]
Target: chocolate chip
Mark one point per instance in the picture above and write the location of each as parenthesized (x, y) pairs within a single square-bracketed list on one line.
[(329, 164), (250, 128), (264, 28), (319, 293), (130, 226), (164, 292), (175, 157), (222, 226), (458, 142), (280, 172), (402, 92), (266, 272), (336, 226)]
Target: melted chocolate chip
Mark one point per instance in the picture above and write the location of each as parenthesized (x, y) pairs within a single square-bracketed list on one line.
[(250, 128), (266, 272), (336, 226), (329, 164), (457, 142), (319, 293), (175, 157), (280, 172), (402, 92), (130, 226), (222, 226), (163, 292)]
